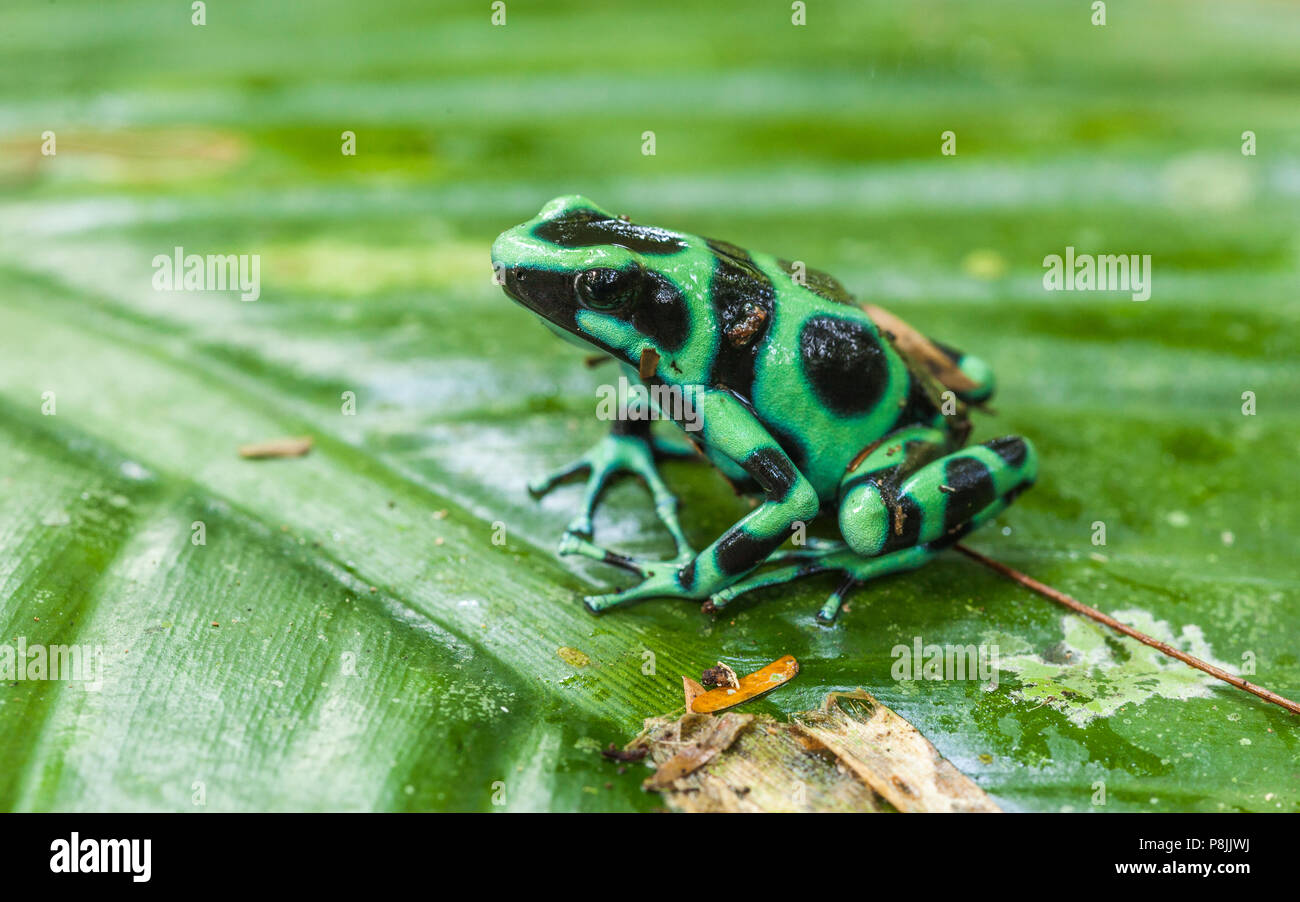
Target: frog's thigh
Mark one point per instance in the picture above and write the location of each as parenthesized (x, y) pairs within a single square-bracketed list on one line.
[(939, 502), (866, 490)]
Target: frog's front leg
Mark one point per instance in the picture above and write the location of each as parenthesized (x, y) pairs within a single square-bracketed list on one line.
[(728, 427), (629, 448)]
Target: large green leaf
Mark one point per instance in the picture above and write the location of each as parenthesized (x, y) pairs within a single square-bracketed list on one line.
[(351, 637)]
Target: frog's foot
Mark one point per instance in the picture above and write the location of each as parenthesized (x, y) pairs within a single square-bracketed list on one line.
[(793, 564), (854, 568), (612, 455), (659, 578)]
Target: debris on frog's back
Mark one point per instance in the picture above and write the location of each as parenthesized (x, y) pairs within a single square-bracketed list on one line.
[(776, 674)]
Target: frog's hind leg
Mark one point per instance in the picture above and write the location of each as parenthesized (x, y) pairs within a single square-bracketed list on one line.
[(813, 547), (908, 500), (884, 509), (854, 568), (897, 520)]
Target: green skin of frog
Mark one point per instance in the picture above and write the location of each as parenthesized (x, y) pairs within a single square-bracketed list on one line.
[(790, 388)]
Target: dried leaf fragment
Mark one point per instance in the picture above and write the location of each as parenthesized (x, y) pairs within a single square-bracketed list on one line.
[(277, 447), (776, 674), (769, 767), (890, 755), (852, 754), (920, 348), (713, 736), (691, 689)]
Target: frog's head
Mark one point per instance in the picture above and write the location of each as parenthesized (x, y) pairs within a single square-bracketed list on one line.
[(595, 276)]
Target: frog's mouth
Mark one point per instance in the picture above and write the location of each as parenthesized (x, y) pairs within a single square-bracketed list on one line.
[(549, 294), (546, 292)]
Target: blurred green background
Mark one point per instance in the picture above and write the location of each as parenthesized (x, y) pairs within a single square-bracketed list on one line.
[(350, 638)]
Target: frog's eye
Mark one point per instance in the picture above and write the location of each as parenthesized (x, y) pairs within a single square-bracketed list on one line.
[(606, 289)]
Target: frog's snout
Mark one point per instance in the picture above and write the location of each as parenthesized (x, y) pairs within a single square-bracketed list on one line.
[(548, 293), (501, 258), (514, 282), (505, 254), (500, 250)]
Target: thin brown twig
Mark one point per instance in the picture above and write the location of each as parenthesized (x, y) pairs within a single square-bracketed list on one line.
[(1075, 605)]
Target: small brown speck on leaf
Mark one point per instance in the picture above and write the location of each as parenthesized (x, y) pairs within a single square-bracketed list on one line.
[(572, 656), (277, 447)]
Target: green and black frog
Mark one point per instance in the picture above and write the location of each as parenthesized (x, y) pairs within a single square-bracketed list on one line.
[(799, 395)]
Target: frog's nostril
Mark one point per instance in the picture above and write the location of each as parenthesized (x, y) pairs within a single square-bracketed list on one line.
[(514, 280)]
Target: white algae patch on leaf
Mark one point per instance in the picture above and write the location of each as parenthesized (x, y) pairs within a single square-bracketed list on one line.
[(1093, 672)]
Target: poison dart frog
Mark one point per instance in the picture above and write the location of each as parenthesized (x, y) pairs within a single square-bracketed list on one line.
[(801, 396)]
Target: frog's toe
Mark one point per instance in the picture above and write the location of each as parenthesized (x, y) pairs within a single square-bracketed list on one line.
[(599, 604), (666, 510), (659, 579), (831, 609), (579, 526), (660, 582), (574, 543), (541, 486), (774, 577)]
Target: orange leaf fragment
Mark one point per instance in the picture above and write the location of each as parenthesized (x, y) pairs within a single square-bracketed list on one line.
[(776, 674)]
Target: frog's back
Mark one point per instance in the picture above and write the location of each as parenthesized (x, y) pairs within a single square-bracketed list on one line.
[(826, 382)]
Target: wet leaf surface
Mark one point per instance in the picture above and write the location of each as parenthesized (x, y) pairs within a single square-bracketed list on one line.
[(375, 647)]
